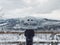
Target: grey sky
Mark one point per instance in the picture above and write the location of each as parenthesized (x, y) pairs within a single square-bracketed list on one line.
[(42, 8)]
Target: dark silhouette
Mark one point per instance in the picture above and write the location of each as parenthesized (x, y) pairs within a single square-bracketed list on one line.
[(29, 34)]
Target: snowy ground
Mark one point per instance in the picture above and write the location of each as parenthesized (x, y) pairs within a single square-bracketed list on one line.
[(16, 37)]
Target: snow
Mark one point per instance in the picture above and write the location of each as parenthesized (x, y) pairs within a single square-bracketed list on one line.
[(21, 38)]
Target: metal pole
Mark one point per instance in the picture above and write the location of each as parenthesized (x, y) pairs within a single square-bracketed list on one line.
[(29, 34)]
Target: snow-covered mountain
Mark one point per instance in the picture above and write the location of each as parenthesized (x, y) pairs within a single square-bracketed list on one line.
[(29, 23)]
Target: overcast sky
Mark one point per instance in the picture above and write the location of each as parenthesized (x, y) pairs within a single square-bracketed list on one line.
[(37, 8)]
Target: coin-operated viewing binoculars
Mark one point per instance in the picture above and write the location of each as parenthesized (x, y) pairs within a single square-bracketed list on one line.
[(29, 34), (29, 25)]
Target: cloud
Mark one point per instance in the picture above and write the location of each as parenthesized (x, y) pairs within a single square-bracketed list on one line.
[(46, 7), (18, 8), (12, 4), (54, 15), (26, 12), (38, 6), (18, 13)]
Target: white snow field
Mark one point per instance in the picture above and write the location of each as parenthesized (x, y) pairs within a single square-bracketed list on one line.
[(21, 38)]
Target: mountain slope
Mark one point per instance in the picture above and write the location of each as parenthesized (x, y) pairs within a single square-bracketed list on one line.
[(39, 24)]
